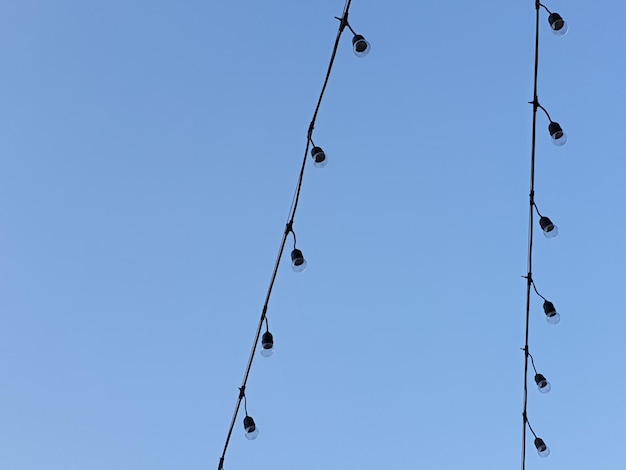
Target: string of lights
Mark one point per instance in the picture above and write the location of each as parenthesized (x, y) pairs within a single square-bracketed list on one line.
[(361, 48), (550, 230)]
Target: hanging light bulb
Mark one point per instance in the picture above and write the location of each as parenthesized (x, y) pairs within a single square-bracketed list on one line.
[(319, 157), (556, 132), (267, 344), (552, 316), (558, 24), (251, 430), (542, 449), (542, 383), (360, 45), (549, 229), (298, 263)]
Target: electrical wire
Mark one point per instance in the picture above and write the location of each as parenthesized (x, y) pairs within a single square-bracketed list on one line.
[(288, 229), (529, 277)]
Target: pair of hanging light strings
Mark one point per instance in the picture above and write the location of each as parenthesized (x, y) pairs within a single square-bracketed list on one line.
[(361, 48), (559, 27)]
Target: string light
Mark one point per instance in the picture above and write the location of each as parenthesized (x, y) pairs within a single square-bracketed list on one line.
[(542, 383), (319, 157), (249, 425), (552, 316), (298, 263), (556, 132), (542, 449), (361, 48), (267, 342), (550, 230)]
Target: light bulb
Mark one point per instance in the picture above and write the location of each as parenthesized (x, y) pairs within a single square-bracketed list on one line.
[(267, 344), (542, 383), (542, 449), (319, 157), (552, 316), (558, 24), (360, 45), (549, 229), (298, 263), (251, 430), (556, 132)]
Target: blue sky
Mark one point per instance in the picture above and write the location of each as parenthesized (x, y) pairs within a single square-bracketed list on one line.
[(149, 153)]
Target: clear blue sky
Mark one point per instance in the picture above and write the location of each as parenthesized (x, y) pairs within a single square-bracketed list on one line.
[(148, 156)]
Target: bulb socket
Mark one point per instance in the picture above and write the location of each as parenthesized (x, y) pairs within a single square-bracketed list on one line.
[(556, 21), (318, 154), (359, 43), (546, 224), (267, 340), (556, 131), (540, 380), (540, 445), (249, 424), (297, 258), (548, 308)]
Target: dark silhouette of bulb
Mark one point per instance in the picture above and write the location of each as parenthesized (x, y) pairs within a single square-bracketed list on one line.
[(549, 229), (542, 449), (558, 24), (542, 383), (251, 430), (552, 316), (360, 45), (298, 263), (556, 132), (267, 344), (319, 157)]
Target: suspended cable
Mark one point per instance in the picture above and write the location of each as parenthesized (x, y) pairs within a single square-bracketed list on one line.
[(361, 47), (550, 230)]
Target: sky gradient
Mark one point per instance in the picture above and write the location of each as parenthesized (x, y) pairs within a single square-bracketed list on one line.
[(148, 157)]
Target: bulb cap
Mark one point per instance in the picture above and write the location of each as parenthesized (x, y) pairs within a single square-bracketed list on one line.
[(250, 426), (549, 229), (319, 157), (542, 383), (556, 132), (298, 263), (542, 449), (557, 24), (267, 344), (360, 45)]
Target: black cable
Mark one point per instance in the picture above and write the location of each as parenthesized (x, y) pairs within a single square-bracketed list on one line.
[(529, 277), (288, 229), (532, 361), (535, 287), (343, 21)]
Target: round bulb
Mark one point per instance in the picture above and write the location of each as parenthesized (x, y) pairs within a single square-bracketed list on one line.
[(360, 45), (542, 383), (552, 232), (267, 344), (542, 449), (560, 139), (556, 132), (319, 157), (553, 318), (558, 24), (251, 430), (298, 263)]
